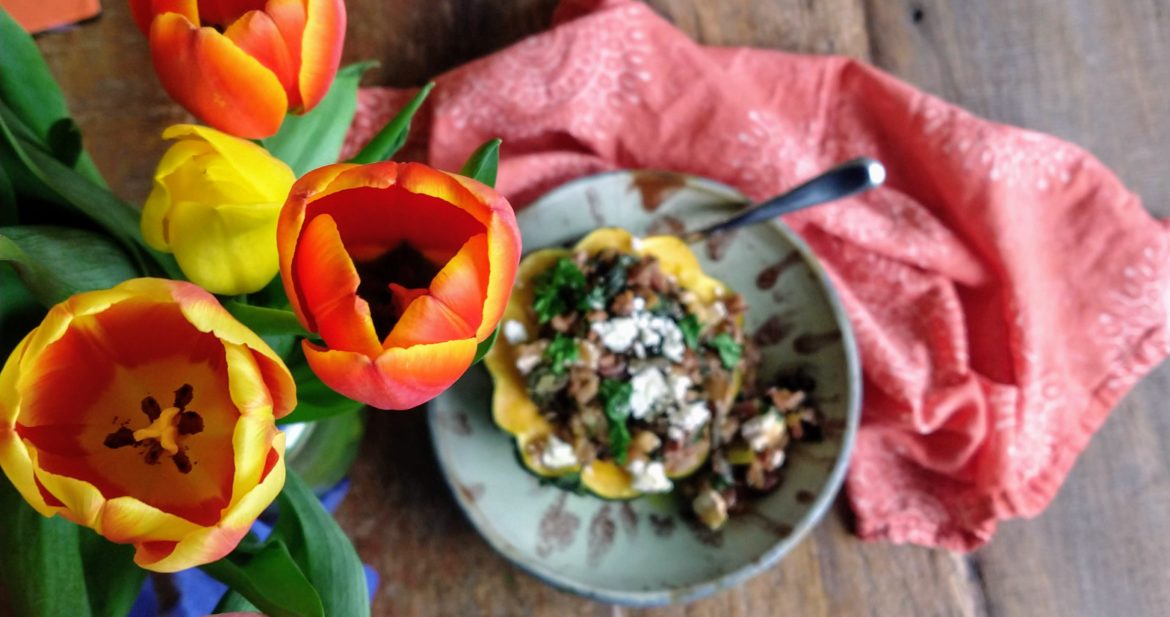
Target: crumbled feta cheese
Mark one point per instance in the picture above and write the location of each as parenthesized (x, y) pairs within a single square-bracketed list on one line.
[(636, 243), (763, 431), (639, 303), (711, 508), (515, 332), (557, 454), (649, 477), (776, 459), (720, 309), (691, 418), (526, 362), (617, 334), (648, 387), (679, 385)]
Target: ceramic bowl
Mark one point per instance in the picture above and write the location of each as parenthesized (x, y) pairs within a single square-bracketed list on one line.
[(644, 552)]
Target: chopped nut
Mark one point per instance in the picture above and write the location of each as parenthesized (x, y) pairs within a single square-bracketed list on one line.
[(611, 365), (588, 354), (644, 442), (785, 399), (642, 273), (583, 384), (711, 508), (735, 304), (529, 355), (596, 315), (564, 323), (623, 304)]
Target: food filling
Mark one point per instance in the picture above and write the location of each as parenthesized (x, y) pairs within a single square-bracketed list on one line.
[(629, 367)]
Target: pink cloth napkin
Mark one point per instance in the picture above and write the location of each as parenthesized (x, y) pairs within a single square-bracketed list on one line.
[(1005, 288)]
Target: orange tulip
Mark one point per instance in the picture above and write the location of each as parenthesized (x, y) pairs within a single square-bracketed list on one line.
[(401, 269), (240, 65), (147, 413)]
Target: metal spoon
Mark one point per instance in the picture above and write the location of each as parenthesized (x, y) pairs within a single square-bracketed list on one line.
[(848, 178)]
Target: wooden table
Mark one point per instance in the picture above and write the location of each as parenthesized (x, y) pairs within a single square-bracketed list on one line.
[(1090, 71)]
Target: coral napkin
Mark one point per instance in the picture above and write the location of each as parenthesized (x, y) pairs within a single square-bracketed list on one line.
[(1005, 288)]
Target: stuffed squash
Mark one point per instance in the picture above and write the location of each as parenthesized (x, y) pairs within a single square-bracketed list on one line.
[(617, 360)]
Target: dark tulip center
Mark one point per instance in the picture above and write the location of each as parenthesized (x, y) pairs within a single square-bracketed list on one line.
[(402, 265)]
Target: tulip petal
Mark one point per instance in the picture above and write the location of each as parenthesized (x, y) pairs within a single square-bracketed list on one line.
[(445, 187), (328, 285), (321, 49), (215, 80), (212, 543), (257, 35), (427, 320), (399, 378), (504, 257), (462, 283), (226, 248), (144, 11), (289, 17), (126, 520), (270, 177)]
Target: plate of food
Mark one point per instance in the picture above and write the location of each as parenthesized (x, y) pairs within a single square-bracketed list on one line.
[(657, 420)]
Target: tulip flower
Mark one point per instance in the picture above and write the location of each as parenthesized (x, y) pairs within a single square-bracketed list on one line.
[(240, 65), (146, 412), (215, 202), (401, 269)]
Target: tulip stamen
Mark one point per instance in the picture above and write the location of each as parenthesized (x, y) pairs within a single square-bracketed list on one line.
[(163, 433)]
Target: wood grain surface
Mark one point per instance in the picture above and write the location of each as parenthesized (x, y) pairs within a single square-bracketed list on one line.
[(1090, 71)]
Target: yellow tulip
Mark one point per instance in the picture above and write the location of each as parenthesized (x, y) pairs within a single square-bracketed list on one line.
[(147, 413), (215, 202)]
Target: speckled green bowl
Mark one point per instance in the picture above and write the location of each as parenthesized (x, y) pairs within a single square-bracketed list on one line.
[(644, 552)]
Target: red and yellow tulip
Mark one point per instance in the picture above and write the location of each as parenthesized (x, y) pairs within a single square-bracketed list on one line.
[(240, 65), (401, 269), (214, 205), (146, 412)]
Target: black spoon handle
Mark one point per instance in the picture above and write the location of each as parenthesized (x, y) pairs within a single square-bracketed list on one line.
[(848, 178)]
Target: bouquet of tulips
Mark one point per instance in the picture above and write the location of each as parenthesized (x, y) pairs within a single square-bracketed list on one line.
[(155, 354)]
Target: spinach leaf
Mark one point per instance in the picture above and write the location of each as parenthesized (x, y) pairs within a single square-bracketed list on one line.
[(616, 395)]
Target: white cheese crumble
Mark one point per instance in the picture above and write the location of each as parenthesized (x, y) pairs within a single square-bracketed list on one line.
[(617, 334), (692, 417), (679, 385), (648, 387), (515, 332), (649, 477), (526, 362), (557, 454), (762, 432)]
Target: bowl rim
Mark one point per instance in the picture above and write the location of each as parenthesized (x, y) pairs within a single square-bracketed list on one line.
[(817, 510)]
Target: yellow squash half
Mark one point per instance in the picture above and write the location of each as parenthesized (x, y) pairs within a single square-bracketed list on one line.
[(512, 408)]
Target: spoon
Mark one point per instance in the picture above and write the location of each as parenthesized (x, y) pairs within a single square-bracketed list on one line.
[(849, 178)]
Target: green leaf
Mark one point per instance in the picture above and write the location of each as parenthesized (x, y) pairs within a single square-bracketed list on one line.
[(483, 163), (64, 141), (266, 321), (7, 199), (616, 396), (29, 90), (729, 351), (41, 572), (557, 290), (323, 551), (57, 262), (112, 578), (271, 580), (117, 217), (19, 311), (311, 140), (393, 136), (691, 328), (561, 351), (483, 348), (315, 400)]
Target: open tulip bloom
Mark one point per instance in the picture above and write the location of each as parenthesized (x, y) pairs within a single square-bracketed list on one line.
[(401, 269), (146, 412)]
